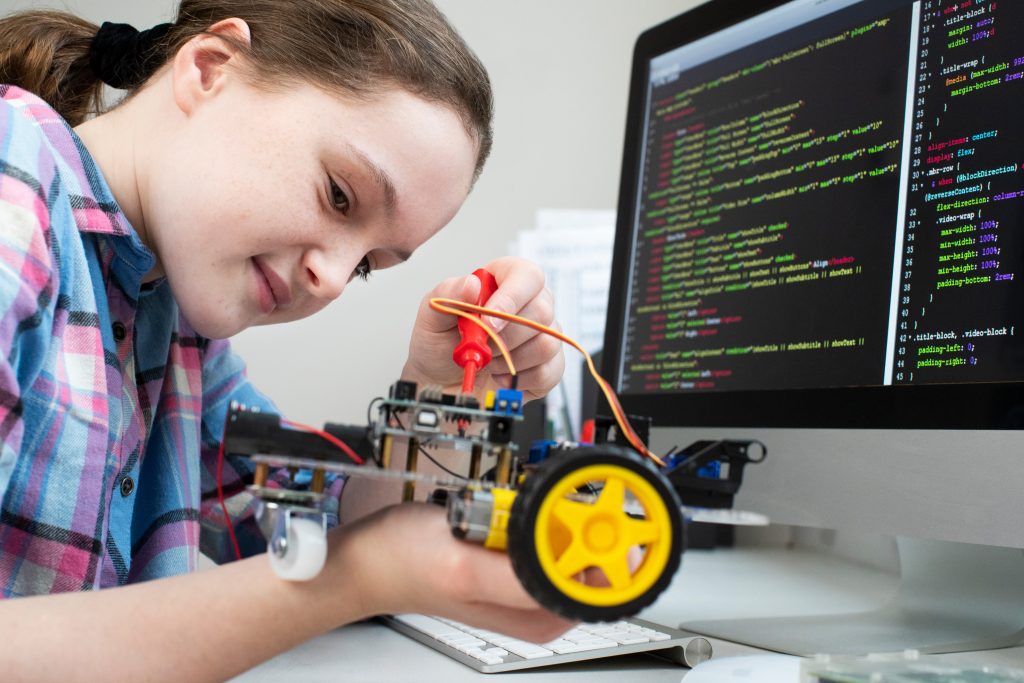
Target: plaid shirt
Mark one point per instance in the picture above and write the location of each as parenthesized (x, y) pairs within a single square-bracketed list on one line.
[(111, 406)]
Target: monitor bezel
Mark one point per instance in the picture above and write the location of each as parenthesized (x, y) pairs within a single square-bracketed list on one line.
[(989, 405)]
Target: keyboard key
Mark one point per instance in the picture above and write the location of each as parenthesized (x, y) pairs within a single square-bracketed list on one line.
[(527, 650), (586, 638), (486, 635), (467, 645), (562, 646), (652, 634), (428, 625), (503, 641)]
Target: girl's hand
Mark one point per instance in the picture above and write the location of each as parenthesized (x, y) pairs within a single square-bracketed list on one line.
[(538, 358), (406, 560)]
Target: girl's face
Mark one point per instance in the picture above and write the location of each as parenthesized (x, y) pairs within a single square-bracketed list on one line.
[(261, 206)]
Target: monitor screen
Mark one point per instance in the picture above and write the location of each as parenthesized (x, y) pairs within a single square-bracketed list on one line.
[(820, 219)]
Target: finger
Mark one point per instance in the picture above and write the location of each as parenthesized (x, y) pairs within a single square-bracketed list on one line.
[(539, 310), (519, 282), (465, 572), (537, 381), (537, 351), (486, 575), (465, 288)]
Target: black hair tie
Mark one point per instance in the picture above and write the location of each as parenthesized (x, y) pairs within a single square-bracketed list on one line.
[(123, 57)]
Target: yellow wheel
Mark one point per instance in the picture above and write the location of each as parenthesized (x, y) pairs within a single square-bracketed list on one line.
[(595, 533)]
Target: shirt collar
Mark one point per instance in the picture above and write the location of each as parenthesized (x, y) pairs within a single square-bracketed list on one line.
[(92, 203)]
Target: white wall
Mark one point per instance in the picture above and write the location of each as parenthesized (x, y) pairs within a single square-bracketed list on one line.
[(560, 70)]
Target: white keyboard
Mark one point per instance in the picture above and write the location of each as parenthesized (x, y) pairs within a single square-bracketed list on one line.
[(490, 652)]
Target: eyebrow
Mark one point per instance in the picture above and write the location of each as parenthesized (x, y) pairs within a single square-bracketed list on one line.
[(382, 179)]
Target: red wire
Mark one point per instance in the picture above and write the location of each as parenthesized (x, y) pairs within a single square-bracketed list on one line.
[(329, 437), (223, 505)]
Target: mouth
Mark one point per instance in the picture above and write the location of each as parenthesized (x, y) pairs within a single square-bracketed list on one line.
[(273, 291)]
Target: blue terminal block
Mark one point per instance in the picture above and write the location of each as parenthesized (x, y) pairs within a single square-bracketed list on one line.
[(508, 402), (539, 451), (713, 470), (709, 470)]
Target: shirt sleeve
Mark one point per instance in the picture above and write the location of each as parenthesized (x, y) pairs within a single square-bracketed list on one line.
[(225, 381), (26, 295)]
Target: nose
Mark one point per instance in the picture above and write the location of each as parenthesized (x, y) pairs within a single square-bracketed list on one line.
[(327, 273)]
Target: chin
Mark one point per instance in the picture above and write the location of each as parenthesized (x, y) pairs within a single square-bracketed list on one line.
[(213, 324)]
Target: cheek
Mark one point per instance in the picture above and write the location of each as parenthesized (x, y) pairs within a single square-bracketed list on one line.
[(228, 217), (218, 181)]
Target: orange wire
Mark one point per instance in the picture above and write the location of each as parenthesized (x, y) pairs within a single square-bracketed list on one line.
[(449, 306), (439, 304)]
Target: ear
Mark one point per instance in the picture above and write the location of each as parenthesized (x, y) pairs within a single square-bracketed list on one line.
[(199, 69)]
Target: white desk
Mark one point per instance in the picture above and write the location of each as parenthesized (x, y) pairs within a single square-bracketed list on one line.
[(711, 585)]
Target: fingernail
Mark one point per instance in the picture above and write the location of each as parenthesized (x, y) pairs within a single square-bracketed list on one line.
[(497, 323)]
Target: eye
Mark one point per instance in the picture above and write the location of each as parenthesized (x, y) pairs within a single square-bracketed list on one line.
[(338, 197), (363, 270)]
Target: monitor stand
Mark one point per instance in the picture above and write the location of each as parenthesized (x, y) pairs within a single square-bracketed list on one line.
[(952, 597)]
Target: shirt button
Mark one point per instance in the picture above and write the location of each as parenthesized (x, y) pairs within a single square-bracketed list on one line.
[(120, 331), (127, 486)]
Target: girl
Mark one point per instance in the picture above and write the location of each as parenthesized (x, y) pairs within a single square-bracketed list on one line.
[(267, 154)]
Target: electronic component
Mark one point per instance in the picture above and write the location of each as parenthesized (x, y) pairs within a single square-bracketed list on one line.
[(539, 451), (403, 391), (604, 490), (499, 429), (428, 419), (508, 402), (709, 473)]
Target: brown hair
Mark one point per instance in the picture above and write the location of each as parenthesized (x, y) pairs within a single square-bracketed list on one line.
[(358, 47)]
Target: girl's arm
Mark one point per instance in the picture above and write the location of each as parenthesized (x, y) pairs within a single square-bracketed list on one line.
[(215, 624)]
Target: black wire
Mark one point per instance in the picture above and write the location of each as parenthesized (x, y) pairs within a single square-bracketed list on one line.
[(374, 450), (431, 458), (369, 411)]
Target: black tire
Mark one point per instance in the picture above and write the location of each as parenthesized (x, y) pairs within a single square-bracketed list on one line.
[(523, 520)]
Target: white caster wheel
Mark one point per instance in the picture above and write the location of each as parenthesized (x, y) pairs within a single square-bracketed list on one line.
[(298, 548)]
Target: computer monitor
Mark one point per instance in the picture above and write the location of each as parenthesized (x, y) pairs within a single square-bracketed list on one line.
[(820, 245)]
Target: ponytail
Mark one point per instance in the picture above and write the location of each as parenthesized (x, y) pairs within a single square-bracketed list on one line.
[(47, 53)]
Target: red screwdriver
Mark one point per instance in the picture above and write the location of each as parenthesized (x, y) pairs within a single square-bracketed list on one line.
[(473, 352)]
